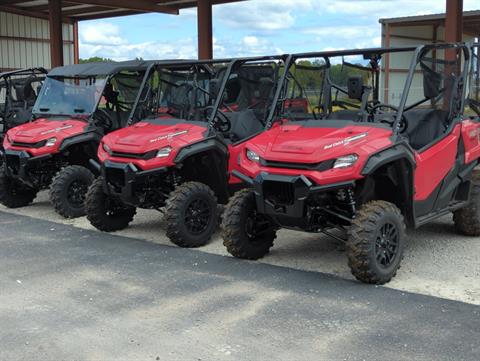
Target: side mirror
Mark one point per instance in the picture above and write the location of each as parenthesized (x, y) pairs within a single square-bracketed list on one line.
[(355, 87)]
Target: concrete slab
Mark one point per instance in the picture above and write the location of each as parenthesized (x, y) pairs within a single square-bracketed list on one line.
[(70, 293)]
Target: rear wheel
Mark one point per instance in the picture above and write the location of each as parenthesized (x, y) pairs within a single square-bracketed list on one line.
[(467, 220), (68, 190), (104, 212), (246, 234), (191, 215), (375, 242), (13, 194)]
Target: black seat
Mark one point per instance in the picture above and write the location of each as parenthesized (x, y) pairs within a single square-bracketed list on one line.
[(424, 126), (244, 124)]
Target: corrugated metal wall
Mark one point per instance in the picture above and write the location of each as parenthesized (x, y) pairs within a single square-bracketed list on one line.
[(24, 42), (400, 63)]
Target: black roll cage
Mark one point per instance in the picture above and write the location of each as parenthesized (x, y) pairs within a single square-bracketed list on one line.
[(419, 53), (170, 65), (5, 79), (373, 53), (475, 104)]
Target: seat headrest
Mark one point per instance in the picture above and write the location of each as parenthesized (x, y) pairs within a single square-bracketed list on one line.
[(432, 82), (265, 88), (110, 94), (214, 87)]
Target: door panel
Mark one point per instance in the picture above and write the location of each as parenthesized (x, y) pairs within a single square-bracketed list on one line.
[(434, 164)]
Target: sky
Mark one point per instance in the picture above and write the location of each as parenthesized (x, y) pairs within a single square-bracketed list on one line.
[(254, 27)]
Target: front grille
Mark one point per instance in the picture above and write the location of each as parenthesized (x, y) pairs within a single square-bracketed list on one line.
[(115, 177), (145, 156), (29, 145), (279, 193), (13, 163), (321, 166)]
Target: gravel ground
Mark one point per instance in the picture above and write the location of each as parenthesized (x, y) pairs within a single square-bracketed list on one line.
[(438, 261)]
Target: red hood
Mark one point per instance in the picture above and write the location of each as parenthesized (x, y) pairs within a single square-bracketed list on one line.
[(42, 129), (144, 137), (301, 144)]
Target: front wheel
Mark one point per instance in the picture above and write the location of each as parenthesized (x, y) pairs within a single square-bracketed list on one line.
[(68, 190), (104, 212), (191, 215), (375, 242), (467, 220), (246, 234), (13, 194)]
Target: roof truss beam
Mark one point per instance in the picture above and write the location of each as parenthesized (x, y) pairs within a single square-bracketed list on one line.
[(137, 5)]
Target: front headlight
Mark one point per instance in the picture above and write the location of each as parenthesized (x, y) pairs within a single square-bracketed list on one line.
[(106, 148), (51, 142), (346, 161), (251, 155), (164, 152)]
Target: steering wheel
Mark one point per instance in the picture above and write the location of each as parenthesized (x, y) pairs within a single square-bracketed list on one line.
[(102, 116), (222, 122), (374, 108)]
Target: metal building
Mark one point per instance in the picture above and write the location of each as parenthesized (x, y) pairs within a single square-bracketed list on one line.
[(25, 42), (417, 30), (45, 32)]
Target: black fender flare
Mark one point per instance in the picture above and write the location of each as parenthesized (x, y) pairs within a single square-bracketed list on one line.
[(213, 144), (389, 155), (202, 146), (88, 137), (400, 151)]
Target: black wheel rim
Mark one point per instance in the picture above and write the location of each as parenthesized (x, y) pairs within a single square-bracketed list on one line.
[(255, 225), (197, 216), (386, 245), (76, 193)]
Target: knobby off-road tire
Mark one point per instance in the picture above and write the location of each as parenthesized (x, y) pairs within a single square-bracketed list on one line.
[(375, 242), (191, 215), (245, 234), (467, 220), (104, 212), (68, 190), (14, 194)]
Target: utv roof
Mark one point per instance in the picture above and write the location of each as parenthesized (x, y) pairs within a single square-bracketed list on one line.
[(374, 51), (99, 68), (366, 51), (26, 71)]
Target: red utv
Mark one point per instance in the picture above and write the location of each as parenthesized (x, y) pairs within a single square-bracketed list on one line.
[(195, 119), (392, 149), (76, 106), (18, 92)]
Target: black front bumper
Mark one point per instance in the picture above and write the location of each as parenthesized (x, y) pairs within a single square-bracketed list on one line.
[(17, 164), (285, 197), (120, 180)]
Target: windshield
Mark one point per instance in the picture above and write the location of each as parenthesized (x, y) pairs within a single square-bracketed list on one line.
[(69, 96), (179, 92)]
